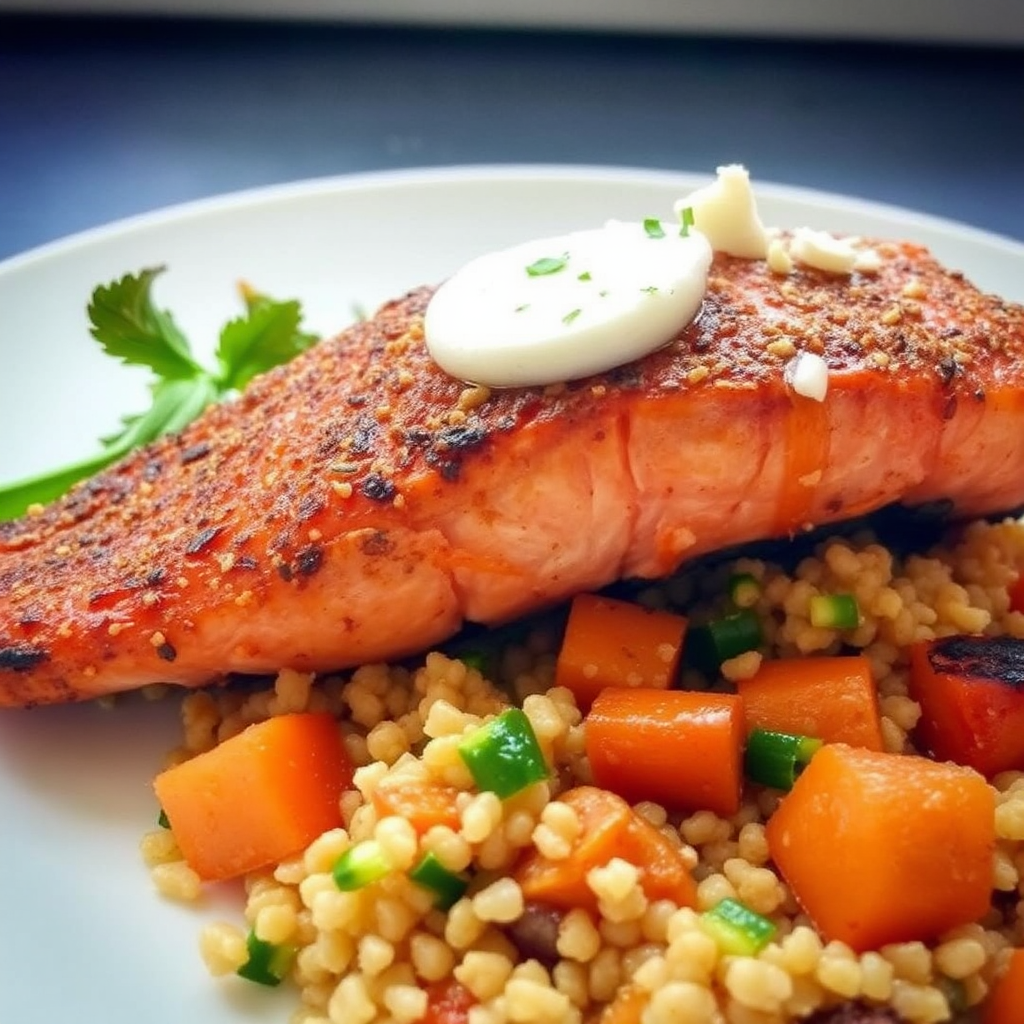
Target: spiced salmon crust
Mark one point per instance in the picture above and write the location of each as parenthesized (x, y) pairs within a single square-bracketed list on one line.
[(359, 504)]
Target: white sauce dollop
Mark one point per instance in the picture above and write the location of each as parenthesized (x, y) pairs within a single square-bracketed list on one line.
[(562, 308), (726, 213)]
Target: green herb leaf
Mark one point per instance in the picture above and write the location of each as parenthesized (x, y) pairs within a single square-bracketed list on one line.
[(547, 265), (585, 276), (570, 316), (267, 336), (653, 228), (685, 221), (128, 326)]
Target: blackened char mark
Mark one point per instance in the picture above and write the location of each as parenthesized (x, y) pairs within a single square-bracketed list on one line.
[(21, 657), (999, 659)]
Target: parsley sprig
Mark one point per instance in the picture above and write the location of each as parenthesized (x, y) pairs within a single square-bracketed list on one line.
[(129, 327)]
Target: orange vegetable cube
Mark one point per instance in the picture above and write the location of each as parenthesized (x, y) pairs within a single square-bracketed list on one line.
[(258, 797), (972, 704), (423, 804), (617, 643), (832, 699), (881, 848), (609, 828), (680, 748)]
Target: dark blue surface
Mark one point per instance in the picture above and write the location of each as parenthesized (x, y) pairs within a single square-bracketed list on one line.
[(100, 119)]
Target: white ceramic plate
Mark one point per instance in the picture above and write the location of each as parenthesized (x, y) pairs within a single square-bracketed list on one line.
[(83, 936)]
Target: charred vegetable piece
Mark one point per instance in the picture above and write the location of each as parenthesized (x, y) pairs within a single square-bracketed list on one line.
[(776, 758), (504, 756), (971, 692), (881, 848), (737, 929), (617, 643), (258, 797), (717, 641), (832, 698), (681, 748), (162, 819), (268, 962), (447, 886), (360, 865), (834, 611)]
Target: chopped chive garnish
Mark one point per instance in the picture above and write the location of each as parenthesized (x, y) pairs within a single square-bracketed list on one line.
[(685, 221), (547, 265), (744, 590), (525, 305), (653, 228), (360, 865), (448, 887), (776, 758), (651, 289), (585, 276), (737, 929), (603, 293), (163, 820), (709, 645), (268, 962), (834, 611), (570, 316), (504, 756)]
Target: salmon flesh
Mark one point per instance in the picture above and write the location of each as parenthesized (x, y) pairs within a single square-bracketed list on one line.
[(358, 504)]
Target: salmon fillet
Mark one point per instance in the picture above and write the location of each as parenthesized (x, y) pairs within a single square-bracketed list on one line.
[(359, 504)]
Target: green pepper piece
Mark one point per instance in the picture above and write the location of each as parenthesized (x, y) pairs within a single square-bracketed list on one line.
[(834, 611), (776, 758), (268, 963), (448, 887), (360, 865), (737, 929), (504, 756)]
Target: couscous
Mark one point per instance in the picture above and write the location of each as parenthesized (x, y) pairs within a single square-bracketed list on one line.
[(466, 938)]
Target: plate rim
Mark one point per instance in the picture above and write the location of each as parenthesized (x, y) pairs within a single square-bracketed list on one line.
[(453, 174)]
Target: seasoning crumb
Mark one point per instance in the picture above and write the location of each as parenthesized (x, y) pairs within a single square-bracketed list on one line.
[(157, 639), (598, 390), (244, 599), (116, 628), (314, 535), (473, 397), (226, 560), (343, 490), (398, 501), (915, 289), (35, 510), (892, 316), (783, 348), (697, 374)]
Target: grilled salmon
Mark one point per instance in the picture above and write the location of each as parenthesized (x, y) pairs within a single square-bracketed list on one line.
[(359, 504)]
